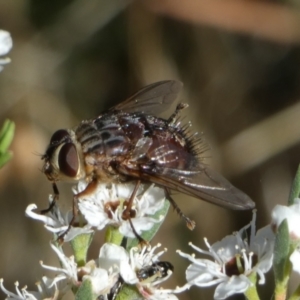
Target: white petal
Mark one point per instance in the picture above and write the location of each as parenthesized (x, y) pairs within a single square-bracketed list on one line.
[(93, 214), (203, 273), (265, 233), (295, 260), (127, 273), (99, 279), (37, 216), (112, 251), (5, 42), (140, 224), (235, 285), (226, 248), (111, 255), (291, 214), (160, 295)]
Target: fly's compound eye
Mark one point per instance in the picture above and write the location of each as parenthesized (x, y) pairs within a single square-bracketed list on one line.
[(58, 136), (68, 160)]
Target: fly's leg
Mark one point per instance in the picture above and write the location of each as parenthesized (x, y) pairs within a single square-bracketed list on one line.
[(128, 214), (173, 118), (189, 223), (142, 242), (55, 198), (90, 188)]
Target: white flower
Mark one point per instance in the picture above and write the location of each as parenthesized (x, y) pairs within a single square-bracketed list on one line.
[(295, 260), (103, 273), (50, 286), (68, 269), (234, 260), (57, 222), (106, 206), (5, 46), (112, 255), (291, 214), (146, 272), (46, 290)]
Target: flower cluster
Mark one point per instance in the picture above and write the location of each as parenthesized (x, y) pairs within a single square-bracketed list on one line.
[(107, 204), (103, 207), (233, 264), (235, 258), (46, 289), (58, 222), (113, 268)]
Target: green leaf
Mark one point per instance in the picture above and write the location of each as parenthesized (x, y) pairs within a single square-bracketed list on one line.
[(281, 263), (295, 190), (80, 245), (85, 292), (6, 137), (148, 235)]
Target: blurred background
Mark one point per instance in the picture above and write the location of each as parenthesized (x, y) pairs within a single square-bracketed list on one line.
[(72, 59)]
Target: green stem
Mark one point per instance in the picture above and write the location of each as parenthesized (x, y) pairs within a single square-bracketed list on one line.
[(113, 235), (251, 293), (282, 286), (128, 292)]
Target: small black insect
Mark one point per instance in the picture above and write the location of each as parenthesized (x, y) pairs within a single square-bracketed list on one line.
[(129, 142), (156, 271)]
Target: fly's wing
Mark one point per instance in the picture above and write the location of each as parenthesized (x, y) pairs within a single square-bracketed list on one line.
[(152, 99), (196, 179), (204, 183)]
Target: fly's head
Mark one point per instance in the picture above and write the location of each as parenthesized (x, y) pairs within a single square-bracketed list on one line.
[(63, 158)]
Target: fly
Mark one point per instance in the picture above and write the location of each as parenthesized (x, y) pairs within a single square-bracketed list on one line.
[(129, 142)]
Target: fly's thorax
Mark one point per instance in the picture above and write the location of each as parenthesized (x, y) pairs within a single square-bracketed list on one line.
[(63, 157), (103, 138)]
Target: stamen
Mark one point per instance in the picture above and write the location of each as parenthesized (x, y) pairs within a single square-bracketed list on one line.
[(239, 264)]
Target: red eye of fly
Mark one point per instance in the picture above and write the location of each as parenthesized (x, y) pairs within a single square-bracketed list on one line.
[(58, 136), (68, 160)]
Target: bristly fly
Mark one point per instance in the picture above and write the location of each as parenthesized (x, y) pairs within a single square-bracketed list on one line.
[(129, 142)]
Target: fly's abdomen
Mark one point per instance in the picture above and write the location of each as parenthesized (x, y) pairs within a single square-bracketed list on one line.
[(169, 153)]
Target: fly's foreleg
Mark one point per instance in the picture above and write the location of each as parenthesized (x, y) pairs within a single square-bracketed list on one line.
[(55, 198), (90, 188)]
